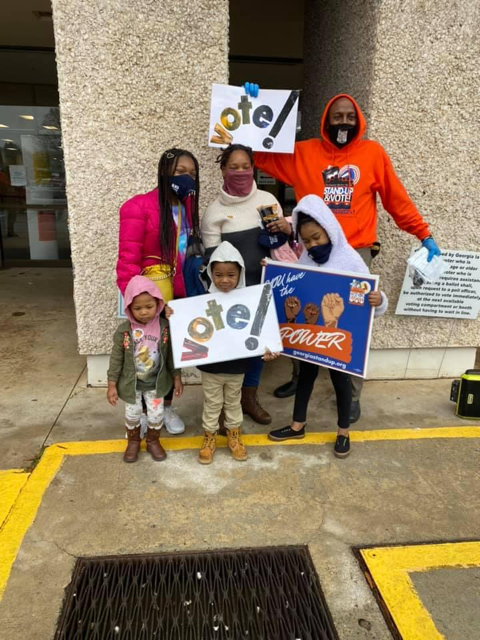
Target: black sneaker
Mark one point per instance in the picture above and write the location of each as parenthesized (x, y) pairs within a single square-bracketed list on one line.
[(287, 433), (355, 412), (286, 390), (342, 446)]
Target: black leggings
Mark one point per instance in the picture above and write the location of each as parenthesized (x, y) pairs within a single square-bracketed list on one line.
[(343, 390)]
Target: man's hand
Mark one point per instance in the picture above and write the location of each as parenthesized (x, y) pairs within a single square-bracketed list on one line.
[(177, 386), (168, 312), (251, 89), (112, 395), (292, 308), (332, 309), (431, 246), (280, 226), (311, 312), (375, 298)]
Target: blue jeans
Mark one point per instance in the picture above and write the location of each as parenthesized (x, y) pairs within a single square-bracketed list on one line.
[(254, 373)]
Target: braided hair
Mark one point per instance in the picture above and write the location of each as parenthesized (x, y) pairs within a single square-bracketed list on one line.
[(168, 232), (222, 159)]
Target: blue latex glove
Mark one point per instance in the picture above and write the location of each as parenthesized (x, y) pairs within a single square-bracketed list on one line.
[(251, 89), (431, 246)]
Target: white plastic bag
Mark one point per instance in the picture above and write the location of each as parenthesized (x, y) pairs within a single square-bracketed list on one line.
[(422, 271)]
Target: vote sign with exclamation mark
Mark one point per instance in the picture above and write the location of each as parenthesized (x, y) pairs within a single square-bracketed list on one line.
[(265, 123)]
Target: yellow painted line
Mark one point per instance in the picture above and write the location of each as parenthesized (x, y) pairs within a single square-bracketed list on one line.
[(261, 440), (12, 482), (23, 512), (390, 568)]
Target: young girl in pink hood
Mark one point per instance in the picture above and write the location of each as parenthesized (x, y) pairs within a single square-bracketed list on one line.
[(141, 365)]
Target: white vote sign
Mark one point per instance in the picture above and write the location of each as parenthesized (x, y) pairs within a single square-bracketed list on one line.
[(456, 294), (266, 123), (218, 327)]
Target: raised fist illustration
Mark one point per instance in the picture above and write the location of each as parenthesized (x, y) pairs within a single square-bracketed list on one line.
[(292, 308), (311, 312), (332, 309)]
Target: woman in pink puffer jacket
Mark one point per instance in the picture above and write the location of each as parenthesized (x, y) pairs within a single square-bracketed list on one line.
[(149, 227), (148, 221)]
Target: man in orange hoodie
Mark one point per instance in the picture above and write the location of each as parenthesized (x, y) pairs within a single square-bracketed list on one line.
[(347, 172)]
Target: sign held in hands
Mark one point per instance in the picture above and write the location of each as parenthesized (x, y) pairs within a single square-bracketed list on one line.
[(325, 316), (218, 327), (266, 123)]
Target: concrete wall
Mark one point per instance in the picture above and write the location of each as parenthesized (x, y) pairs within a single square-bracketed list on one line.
[(134, 79), (413, 65)]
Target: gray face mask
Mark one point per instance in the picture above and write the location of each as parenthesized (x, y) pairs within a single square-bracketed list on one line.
[(341, 134)]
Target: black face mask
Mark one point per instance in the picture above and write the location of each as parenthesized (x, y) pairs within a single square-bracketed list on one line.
[(341, 134), (321, 253)]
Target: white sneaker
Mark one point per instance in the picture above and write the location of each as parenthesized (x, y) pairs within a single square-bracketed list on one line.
[(173, 423)]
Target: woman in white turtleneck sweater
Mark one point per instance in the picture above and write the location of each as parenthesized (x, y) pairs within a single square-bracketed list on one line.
[(234, 216)]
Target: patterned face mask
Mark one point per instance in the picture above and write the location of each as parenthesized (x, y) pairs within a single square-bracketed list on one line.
[(342, 134), (182, 186)]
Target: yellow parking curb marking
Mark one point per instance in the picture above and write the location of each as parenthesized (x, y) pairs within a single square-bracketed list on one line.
[(23, 512), (261, 440), (390, 568), (11, 483)]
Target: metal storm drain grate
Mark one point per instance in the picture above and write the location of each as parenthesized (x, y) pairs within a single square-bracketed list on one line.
[(247, 594)]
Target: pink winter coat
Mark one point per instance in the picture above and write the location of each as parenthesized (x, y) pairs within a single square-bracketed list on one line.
[(139, 237)]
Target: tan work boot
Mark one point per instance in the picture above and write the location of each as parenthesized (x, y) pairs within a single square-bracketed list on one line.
[(133, 445), (252, 407), (207, 450), (154, 447), (235, 444)]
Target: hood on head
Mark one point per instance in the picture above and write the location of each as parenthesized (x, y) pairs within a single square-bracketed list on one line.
[(226, 252), (316, 208), (136, 286), (361, 122), (342, 257)]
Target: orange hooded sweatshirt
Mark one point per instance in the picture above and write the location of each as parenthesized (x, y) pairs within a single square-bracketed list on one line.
[(348, 180)]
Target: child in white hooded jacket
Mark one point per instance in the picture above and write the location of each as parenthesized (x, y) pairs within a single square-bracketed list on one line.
[(325, 247), (222, 381)]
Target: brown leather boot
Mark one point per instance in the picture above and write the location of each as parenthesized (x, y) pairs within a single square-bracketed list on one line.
[(235, 444), (252, 407), (133, 445), (207, 450), (154, 447)]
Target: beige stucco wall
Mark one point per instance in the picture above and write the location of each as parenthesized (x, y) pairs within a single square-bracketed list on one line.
[(414, 68), (134, 79)]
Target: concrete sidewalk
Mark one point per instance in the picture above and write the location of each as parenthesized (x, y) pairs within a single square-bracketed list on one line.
[(385, 493), (45, 398), (404, 491)]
